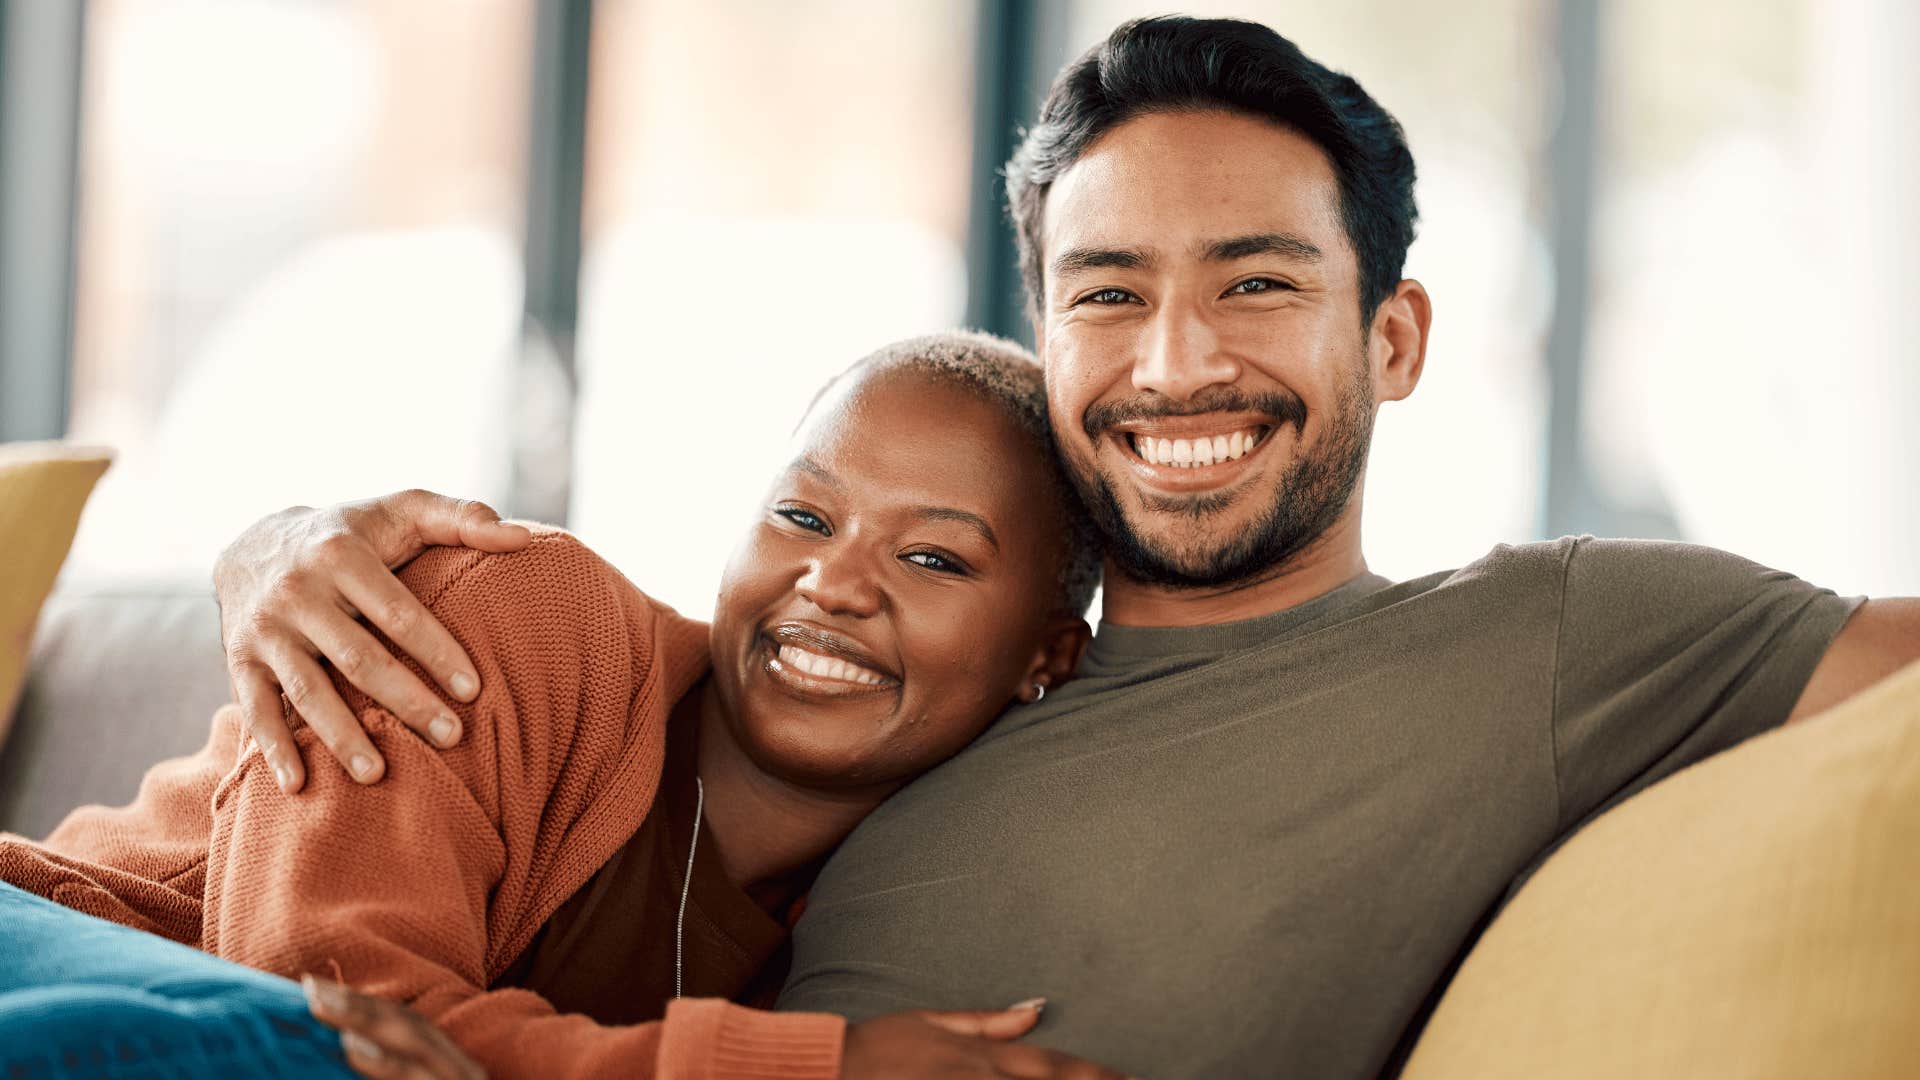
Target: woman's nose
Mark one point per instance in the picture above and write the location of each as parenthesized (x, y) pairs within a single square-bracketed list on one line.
[(838, 584)]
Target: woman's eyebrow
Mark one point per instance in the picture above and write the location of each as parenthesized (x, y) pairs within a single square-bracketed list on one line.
[(964, 517), (819, 472)]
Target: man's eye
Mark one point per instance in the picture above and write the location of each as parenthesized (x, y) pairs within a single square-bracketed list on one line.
[(1107, 296), (805, 519), (1258, 285), (935, 561)]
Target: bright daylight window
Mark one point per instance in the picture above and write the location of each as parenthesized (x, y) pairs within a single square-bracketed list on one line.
[(298, 267), (299, 261), (1753, 372), (773, 191)]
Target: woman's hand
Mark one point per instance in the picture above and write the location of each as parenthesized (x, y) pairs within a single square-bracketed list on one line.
[(959, 1044), (384, 1038), (291, 590)]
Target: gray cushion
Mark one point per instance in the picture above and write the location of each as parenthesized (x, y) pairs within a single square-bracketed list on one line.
[(120, 677)]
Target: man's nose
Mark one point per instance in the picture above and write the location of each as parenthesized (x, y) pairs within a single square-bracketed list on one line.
[(841, 582), (1183, 353)]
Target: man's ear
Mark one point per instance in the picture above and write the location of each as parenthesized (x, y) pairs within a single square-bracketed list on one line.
[(1062, 644), (1397, 346)]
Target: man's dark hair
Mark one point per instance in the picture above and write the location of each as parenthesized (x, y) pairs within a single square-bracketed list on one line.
[(1174, 63)]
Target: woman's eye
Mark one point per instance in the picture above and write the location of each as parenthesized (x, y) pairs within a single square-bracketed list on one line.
[(1257, 285), (805, 519), (935, 561), (1107, 296)]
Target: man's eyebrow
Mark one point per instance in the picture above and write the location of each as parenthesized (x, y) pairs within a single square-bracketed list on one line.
[(1285, 245), (964, 517), (1094, 258), (819, 472)]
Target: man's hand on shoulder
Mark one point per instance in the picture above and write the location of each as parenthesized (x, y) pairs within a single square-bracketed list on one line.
[(1882, 637), (292, 588)]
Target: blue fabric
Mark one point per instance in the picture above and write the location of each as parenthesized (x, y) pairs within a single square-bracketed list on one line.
[(83, 998)]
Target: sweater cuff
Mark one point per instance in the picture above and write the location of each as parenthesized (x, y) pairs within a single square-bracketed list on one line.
[(712, 1039)]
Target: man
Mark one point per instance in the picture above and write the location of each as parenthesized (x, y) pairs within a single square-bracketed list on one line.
[(1283, 794)]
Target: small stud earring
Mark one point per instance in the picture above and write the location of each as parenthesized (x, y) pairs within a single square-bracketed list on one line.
[(1039, 692)]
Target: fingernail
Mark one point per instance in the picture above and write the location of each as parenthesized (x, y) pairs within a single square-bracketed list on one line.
[(442, 729), (1036, 1004), (285, 776), (362, 766), (464, 685), (355, 1043)]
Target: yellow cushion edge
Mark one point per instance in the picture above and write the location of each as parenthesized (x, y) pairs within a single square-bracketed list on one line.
[(1752, 916), (43, 489)]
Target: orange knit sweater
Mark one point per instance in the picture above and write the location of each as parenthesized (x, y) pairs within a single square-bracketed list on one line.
[(424, 887)]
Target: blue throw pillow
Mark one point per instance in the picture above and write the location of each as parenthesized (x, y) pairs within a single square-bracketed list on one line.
[(82, 997)]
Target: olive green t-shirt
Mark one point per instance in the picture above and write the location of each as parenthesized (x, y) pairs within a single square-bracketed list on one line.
[(1257, 848)]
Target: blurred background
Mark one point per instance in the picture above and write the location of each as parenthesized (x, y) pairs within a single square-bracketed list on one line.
[(588, 261)]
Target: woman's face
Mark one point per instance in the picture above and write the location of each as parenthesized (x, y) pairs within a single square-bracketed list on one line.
[(897, 591)]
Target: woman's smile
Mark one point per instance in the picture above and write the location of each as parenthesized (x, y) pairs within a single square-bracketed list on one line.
[(812, 661)]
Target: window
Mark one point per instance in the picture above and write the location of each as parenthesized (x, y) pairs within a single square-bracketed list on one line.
[(298, 267), (773, 191), (1750, 369)]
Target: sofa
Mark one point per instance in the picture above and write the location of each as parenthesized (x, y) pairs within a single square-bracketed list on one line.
[(1757, 915), (120, 676)]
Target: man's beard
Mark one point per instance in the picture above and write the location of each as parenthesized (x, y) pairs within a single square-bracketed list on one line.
[(1311, 495)]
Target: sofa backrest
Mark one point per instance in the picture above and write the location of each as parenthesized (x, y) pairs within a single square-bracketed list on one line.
[(120, 677)]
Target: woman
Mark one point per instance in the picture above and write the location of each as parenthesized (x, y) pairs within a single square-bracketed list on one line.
[(617, 846)]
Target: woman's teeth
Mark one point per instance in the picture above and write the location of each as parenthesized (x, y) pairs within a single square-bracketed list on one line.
[(1193, 453), (827, 667)]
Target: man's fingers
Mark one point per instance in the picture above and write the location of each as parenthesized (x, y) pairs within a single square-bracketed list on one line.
[(367, 664), (450, 522), (259, 699), (312, 694), (392, 608), (1008, 1023)]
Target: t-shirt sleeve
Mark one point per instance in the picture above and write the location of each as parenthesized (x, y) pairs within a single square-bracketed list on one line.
[(1669, 653)]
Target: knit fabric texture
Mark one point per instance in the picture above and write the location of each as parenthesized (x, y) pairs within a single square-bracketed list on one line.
[(424, 887)]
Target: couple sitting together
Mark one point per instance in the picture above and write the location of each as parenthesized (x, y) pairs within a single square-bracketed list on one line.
[(1246, 828)]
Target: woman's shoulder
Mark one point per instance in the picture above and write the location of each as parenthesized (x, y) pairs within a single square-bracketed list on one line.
[(553, 557), (555, 601)]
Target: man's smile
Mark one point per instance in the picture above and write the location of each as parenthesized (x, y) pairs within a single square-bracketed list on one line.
[(1185, 454)]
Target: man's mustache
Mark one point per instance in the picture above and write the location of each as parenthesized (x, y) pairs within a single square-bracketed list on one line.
[(1281, 408)]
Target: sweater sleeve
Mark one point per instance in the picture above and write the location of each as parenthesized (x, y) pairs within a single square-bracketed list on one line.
[(141, 865), (424, 887)]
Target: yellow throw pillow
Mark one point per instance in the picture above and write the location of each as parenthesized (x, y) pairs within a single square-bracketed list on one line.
[(1757, 915), (43, 487)]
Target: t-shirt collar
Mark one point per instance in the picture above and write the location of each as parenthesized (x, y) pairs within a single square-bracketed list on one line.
[(1112, 641)]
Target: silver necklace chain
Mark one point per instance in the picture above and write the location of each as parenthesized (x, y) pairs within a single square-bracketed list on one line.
[(686, 883)]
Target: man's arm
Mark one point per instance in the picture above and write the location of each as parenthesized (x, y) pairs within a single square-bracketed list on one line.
[(292, 589), (1882, 637)]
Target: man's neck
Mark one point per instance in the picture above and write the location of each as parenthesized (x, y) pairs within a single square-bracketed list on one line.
[(1323, 566), (770, 833)]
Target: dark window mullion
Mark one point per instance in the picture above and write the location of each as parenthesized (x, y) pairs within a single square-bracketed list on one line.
[(41, 51)]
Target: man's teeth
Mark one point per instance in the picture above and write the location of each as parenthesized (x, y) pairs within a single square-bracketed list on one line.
[(828, 667), (1193, 453)]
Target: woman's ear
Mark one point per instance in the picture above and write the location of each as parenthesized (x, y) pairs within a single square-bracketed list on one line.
[(1061, 645)]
